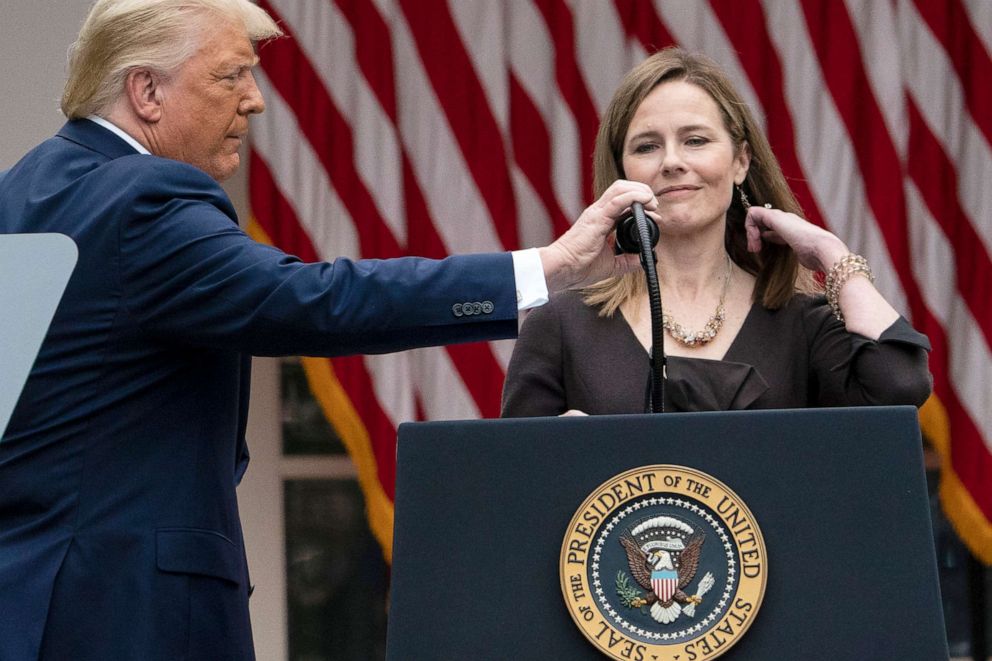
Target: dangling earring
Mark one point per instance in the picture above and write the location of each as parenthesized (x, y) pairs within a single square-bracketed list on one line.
[(743, 196)]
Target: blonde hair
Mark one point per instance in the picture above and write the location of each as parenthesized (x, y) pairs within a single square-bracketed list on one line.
[(776, 268), (121, 35)]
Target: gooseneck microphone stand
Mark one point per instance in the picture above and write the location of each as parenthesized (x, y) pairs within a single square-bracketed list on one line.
[(638, 234)]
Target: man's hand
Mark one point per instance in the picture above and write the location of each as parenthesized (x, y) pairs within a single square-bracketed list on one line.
[(584, 254)]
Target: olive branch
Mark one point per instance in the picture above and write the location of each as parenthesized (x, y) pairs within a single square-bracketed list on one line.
[(626, 591)]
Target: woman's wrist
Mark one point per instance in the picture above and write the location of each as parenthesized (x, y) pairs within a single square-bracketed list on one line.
[(848, 266), (832, 252)]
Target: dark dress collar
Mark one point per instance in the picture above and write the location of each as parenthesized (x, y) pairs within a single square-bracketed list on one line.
[(698, 384), (701, 384)]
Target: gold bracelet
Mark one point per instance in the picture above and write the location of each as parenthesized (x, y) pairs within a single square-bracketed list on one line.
[(848, 265)]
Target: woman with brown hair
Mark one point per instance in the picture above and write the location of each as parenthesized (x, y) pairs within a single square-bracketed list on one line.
[(735, 259)]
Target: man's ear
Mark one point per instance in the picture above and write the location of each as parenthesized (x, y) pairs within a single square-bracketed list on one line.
[(143, 92)]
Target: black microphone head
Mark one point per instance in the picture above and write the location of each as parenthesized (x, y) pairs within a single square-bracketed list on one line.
[(628, 240)]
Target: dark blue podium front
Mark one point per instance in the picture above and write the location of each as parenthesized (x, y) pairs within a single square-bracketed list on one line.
[(840, 495)]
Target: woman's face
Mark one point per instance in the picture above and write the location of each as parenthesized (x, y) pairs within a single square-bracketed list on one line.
[(677, 145)]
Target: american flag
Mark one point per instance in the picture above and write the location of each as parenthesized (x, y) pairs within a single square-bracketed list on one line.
[(430, 127)]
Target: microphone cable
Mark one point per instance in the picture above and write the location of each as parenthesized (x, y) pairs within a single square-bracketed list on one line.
[(658, 360)]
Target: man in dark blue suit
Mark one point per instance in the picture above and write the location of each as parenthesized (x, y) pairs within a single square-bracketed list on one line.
[(119, 530)]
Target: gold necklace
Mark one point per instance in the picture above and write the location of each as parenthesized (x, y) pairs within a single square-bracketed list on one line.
[(689, 338)]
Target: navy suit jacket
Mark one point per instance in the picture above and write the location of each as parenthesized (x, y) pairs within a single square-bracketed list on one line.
[(119, 529)]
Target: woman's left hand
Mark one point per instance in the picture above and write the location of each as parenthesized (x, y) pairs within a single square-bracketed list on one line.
[(866, 311), (816, 248)]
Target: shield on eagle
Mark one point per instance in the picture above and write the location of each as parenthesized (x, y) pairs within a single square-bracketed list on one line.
[(664, 582)]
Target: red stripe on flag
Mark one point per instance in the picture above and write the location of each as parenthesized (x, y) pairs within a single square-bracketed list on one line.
[(274, 214), (970, 457), (327, 131), (373, 50), (561, 26), (642, 23), (936, 178), (420, 413), (532, 151), (948, 20), (744, 23), (463, 101), (423, 238), (481, 374), (356, 381), (478, 368), (835, 42), (836, 45)]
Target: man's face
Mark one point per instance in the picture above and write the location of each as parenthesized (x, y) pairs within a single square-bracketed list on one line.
[(207, 102)]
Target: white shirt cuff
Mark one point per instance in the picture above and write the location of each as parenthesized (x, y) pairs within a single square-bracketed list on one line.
[(528, 272)]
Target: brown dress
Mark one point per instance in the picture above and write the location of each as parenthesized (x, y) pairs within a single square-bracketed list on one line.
[(567, 357)]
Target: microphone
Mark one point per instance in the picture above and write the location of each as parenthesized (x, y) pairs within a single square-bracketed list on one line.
[(628, 239)]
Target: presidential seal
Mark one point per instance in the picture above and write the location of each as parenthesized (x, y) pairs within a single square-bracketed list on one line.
[(663, 563)]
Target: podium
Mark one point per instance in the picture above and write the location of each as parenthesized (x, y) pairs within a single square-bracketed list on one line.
[(483, 509), (34, 270)]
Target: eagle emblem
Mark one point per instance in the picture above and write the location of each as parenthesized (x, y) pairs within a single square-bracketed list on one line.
[(652, 565), (663, 554)]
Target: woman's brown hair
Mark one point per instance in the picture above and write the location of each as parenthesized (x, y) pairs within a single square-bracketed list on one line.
[(776, 267)]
